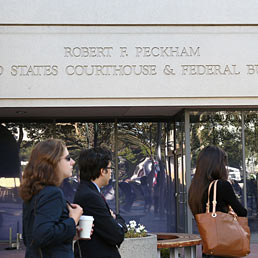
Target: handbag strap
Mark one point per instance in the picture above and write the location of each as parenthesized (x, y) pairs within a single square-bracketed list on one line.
[(214, 202)]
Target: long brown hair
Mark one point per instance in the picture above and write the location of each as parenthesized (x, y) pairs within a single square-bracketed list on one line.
[(211, 165), (41, 169)]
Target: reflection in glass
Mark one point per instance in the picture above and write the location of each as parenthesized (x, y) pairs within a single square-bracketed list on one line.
[(142, 174), (251, 162), (221, 128)]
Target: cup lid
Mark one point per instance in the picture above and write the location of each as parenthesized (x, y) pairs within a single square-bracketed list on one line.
[(86, 217)]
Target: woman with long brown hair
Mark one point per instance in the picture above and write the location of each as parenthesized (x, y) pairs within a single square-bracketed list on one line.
[(49, 224), (211, 165)]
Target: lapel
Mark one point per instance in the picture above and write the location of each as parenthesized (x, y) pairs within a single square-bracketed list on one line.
[(93, 187), (103, 197)]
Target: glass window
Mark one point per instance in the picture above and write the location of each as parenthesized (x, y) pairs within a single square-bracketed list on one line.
[(221, 128), (142, 174), (251, 162)]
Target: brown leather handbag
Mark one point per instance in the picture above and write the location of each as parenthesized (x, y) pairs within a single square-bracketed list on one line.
[(223, 234)]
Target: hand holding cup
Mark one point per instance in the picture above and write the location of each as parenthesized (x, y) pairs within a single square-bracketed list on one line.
[(86, 223)]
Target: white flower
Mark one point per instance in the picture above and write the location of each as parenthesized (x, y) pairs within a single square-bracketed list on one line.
[(141, 227), (132, 223), (135, 230)]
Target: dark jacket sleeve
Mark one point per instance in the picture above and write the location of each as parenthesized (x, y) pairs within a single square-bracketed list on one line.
[(52, 224), (231, 199), (105, 226), (121, 222)]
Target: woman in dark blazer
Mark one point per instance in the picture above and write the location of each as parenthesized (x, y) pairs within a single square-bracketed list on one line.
[(49, 224)]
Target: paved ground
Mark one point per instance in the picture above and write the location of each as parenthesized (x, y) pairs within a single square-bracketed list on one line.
[(20, 253)]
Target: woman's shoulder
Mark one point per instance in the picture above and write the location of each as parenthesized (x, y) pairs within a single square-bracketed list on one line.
[(50, 192), (51, 189), (225, 184)]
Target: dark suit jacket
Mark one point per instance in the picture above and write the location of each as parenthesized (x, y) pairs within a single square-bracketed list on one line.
[(47, 227), (108, 234)]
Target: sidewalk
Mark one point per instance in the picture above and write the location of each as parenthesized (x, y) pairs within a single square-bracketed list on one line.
[(21, 252), (11, 253)]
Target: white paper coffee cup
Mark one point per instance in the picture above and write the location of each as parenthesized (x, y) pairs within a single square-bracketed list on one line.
[(86, 224)]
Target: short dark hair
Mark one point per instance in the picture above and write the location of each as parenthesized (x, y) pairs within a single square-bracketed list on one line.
[(91, 161)]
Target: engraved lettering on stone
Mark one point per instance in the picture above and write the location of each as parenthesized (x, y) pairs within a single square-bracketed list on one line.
[(1, 70), (110, 70), (123, 52), (34, 70), (167, 51), (168, 70), (252, 68), (87, 51), (209, 70)]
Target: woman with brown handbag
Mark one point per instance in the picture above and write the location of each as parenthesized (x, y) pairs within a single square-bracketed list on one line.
[(211, 165)]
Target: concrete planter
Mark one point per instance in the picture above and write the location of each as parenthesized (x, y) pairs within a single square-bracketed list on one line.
[(142, 247)]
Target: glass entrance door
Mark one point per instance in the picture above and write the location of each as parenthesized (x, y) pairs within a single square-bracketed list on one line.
[(176, 176), (181, 192)]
